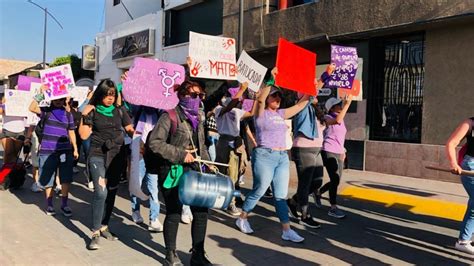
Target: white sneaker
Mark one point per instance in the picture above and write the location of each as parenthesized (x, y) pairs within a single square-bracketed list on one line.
[(155, 226), (464, 247), (90, 185), (36, 187), (137, 217), (186, 215), (244, 226), (291, 235)]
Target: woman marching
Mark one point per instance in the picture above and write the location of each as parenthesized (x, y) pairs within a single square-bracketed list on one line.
[(333, 150), (270, 162), (178, 134), (464, 130), (104, 122)]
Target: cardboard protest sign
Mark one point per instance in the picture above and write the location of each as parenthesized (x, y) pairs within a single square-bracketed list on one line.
[(24, 82), (355, 91), (296, 68), (35, 88), (247, 105), (212, 57), (79, 94), (249, 70), (17, 102), (58, 80), (151, 83), (345, 59)]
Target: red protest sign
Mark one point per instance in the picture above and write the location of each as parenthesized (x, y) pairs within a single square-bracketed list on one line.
[(296, 68)]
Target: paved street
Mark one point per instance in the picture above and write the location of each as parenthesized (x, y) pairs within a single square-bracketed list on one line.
[(373, 233)]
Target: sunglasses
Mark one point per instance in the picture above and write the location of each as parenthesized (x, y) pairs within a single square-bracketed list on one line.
[(194, 95)]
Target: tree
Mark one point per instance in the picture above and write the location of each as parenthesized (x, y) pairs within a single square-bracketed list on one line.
[(75, 63)]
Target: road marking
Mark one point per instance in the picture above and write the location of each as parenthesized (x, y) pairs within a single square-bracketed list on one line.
[(414, 204)]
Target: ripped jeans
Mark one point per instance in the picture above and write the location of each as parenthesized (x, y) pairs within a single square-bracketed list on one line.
[(106, 182)]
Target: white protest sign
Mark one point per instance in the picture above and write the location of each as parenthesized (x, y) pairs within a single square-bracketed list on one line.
[(58, 80), (251, 71), (79, 94), (35, 88), (212, 57), (17, 102)]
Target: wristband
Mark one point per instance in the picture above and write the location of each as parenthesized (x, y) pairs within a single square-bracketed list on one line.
[(271, 81), (39, 97)]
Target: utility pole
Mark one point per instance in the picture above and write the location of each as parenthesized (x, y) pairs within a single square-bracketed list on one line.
[(46, 13), (241, 26)]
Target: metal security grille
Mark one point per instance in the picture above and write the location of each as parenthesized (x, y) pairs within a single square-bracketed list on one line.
[(396, 92)]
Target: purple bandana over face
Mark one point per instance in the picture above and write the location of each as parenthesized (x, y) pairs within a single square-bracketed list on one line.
[(190, 107)]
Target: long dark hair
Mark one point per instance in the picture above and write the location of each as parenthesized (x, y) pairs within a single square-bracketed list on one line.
[(104, 89)]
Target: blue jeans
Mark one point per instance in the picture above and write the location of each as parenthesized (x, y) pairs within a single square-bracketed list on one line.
[(212, 147), (467, 226), (49, 163), (151, 181), (270, 167)]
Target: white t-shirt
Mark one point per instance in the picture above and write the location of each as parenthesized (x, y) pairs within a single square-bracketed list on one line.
[(15, 124), (229, 123)]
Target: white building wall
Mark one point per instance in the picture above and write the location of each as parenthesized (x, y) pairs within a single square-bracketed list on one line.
[(113, 69), (115, 15)]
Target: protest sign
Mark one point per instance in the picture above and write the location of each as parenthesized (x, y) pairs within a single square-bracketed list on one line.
[(345, 59), (233, 91), (58, 80), (35, 88), (79, 94), (296, 68), (17, 102), (356, 89), (250, 71), (25, 81), (212, 57), (151, 83), (247, 105)]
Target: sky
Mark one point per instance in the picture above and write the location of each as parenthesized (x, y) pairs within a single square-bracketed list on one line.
[(22, 27)]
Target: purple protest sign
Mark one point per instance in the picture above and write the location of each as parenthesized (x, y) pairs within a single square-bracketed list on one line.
[(345, 59), (233, 91), (247, 105), (24, 82), (151, 83)]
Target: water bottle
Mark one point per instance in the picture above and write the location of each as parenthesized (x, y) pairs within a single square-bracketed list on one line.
[(206, 190)]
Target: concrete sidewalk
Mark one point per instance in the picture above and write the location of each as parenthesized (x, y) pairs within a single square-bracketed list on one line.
[(373, 233)]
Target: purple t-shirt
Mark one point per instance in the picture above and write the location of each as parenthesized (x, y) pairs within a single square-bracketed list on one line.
[(55, 132), (334, 136), (271, 129)]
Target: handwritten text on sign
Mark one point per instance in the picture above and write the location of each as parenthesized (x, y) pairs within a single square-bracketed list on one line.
[(213, 57), (249, 70), (17, 102), (345, 59), (58, 80), (151, 83)]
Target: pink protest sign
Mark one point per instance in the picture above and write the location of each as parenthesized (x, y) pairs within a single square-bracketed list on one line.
[(247, 105), (151, 83), (24, 82), (233, 91), (58, 80)]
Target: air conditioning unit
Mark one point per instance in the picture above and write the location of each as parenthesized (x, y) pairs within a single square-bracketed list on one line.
[(179, 4)]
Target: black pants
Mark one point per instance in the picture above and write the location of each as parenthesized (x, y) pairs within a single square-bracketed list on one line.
[(173, 217), (310, 170), (333, 164)]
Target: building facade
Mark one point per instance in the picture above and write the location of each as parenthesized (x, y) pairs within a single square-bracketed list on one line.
[(417, 59)]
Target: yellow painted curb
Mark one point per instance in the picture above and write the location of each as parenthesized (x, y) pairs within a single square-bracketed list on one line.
[(414, 204)]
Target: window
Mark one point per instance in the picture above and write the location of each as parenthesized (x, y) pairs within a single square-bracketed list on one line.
[(116, 2), (396, 92), (205, 17)]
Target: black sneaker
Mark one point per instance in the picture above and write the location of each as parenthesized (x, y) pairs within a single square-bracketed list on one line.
[(66, 211), (310, 222), (108, 235), (50, 211), (292, 209), (268, 193), (94, 244)]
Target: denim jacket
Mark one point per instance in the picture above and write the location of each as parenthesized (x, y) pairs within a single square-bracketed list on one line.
[(163, 148)]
